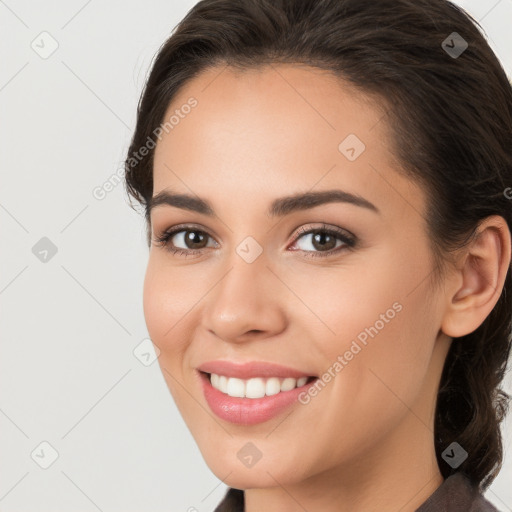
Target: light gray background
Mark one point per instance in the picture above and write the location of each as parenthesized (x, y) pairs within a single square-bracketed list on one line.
[(68, 374)]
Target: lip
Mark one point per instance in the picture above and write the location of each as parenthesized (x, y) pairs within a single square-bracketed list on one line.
[(249, 411), (251, 369)]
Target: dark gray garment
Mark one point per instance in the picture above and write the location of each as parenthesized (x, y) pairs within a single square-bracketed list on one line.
[(455, 494)]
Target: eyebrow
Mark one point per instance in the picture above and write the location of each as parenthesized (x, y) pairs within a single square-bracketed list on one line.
[(278, 208)]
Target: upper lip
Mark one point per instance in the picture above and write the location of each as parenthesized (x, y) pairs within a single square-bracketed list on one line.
[(251, 369)]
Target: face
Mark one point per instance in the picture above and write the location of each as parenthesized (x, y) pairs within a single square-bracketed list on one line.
[(333, 290)]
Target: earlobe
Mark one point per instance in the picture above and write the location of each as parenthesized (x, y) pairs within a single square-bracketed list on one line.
[(479, 279)]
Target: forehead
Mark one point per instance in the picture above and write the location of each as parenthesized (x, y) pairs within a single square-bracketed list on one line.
[(290, 99), (277, 127)]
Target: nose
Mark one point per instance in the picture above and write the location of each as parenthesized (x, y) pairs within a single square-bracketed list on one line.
[(247, 303)]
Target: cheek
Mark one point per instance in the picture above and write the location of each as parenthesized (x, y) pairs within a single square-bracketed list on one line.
[(379, 330), (380, 300), (154, 303), (166, 302), (169, 295)]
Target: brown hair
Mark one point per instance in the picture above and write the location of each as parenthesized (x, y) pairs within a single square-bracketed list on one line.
[(450, 119)]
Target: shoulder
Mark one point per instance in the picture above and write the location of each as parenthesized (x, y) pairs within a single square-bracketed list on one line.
[(483, 505), (456, 494), (233, 501)]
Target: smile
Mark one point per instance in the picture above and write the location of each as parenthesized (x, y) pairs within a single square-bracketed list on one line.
[(252, 392), (257, 387)]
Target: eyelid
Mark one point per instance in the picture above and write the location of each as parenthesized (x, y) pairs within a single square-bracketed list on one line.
[(182, 227), (166, 234), (324, 227), (349, 239)]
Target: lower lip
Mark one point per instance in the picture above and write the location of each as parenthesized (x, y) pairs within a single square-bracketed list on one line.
[(249, 411)]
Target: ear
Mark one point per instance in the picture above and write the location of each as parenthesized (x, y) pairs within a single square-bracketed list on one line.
[(478, 281)]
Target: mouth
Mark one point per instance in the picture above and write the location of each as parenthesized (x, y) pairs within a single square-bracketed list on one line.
[(252, 393), (256, 387)]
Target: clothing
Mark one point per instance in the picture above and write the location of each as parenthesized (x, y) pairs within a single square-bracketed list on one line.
[(455, 494)]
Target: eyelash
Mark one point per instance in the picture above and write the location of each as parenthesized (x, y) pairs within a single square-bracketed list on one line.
[(163, 240)]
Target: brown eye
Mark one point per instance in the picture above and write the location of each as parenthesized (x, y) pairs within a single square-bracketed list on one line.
[(324, 241), (184, 240), (194, 239)]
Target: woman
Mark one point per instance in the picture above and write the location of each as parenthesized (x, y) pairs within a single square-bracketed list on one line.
[(326, 186)]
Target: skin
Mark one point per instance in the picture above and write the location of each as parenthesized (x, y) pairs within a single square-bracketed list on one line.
[(365, 442)]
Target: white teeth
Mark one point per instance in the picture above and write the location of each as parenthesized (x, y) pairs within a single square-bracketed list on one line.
[(288, 384), (256, 387), (223, 383), (236, 387), (273, 386), (301, 381)]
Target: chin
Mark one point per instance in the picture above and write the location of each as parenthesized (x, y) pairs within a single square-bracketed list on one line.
[(253, 478), (226, 466)]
